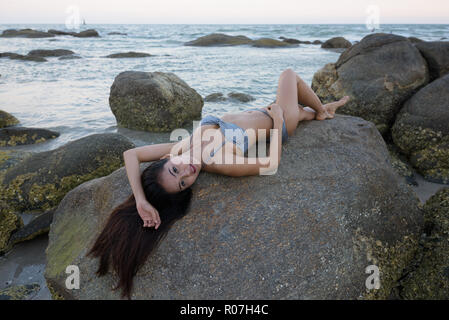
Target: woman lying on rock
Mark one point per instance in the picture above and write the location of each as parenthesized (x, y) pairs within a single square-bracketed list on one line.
[(161, 194)]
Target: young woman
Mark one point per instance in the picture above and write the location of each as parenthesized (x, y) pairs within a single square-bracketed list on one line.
[(162, 193)]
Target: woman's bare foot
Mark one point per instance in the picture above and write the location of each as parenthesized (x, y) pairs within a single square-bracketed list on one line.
[(322, 115), (333, 106)]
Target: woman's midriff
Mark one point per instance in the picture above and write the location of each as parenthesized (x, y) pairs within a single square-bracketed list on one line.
[(250, 119), (213, 142)]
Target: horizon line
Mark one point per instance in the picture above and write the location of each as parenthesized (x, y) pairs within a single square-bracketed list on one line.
[(327, 23)]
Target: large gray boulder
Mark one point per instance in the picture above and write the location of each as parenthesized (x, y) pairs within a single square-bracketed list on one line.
[(153, 101), (334, 207), (379, 74), (421, 130), (436, 54)]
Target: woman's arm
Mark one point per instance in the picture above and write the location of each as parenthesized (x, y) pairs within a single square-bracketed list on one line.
[(133, 158)]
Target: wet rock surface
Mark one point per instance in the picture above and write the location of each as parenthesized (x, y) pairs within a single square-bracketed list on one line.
[(13, 136)]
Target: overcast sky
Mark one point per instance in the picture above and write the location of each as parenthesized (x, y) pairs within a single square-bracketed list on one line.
[(225, 11)]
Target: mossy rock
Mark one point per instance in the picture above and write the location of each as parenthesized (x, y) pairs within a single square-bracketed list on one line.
[(153, 101), (401, 166), (379, 73), (430, 278), (39, 225), (40, 181), (421, 130), (9, 158), (23, 292), (9, 223), (16, 136), (7, 119)]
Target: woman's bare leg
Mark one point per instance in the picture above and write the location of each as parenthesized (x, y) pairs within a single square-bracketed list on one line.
[(287, 99), (307, 113), (307, 96), (293, 90), (333, 106)]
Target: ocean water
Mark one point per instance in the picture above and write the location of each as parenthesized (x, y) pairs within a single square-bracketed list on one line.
[(71, 96)]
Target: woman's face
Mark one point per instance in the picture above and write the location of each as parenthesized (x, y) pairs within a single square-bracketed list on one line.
[(179, 173)]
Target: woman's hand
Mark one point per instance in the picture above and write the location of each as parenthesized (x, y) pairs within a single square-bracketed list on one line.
[(276, 112), (149, 214)]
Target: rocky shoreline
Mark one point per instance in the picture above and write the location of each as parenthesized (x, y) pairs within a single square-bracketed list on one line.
[(395, 126)]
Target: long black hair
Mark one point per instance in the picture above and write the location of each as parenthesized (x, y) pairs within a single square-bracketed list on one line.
[(124, 242)]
